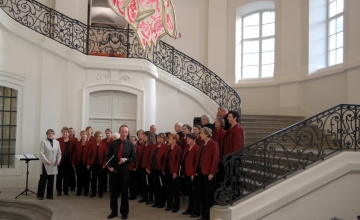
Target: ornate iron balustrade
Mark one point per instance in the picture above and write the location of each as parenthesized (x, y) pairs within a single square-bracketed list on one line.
[(289, 150), (97, 40)]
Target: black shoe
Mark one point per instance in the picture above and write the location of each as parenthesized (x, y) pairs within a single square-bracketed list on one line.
[(92, 195), (154, 205), (149, 202), (66, 194), (168, 209), (186, 213), (194, 216), (112, 215), (175, 210), (78, 194), (124, 217), (142, 200), (160, 206), (40, 198), (100, 196), (86, 194), (58, 194), (51, 198)]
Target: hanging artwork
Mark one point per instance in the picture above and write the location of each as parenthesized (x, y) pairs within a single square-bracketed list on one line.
[(151, 19)]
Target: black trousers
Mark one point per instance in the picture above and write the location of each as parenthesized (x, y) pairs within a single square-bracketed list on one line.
[(45, 179), (72, 180), (207, 189), (96, 179), (194, 195), (83, 179), (63, 177), (220, 176), (138, 182), (158, 180), (172, 191), (146, 184), (120, 181), (133, 184), (105, 179)]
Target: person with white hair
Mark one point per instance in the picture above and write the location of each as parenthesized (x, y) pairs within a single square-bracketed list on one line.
[(205, 122), (115, 136), (178, 130)]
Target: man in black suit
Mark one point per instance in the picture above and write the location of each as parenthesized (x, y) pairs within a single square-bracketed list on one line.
[(125, 151)]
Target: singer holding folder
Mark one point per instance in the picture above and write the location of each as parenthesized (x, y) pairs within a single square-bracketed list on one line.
[(123, 150)]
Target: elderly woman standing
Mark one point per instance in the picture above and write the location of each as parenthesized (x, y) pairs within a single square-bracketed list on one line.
[(50, 156), (206, 169)]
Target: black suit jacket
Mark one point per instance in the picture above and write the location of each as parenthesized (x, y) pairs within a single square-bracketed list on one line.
[(129, 152)]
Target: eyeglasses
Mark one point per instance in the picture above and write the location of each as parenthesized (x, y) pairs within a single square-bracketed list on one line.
[(50, 133)]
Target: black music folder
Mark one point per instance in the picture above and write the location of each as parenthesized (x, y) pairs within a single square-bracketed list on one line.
[(113, 162)]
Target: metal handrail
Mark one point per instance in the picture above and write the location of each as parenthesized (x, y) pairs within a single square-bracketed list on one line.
[(121, 42), (289, 150)]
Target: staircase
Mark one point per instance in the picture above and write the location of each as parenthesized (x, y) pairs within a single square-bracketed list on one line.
[(257, 127)]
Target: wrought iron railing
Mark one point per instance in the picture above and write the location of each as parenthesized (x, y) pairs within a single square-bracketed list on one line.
[(123, 42), (294, 148)]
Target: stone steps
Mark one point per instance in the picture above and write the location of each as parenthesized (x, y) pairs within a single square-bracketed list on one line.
[(14, 209)]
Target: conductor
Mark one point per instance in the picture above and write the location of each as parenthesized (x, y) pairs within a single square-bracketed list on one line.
[(124, 151)]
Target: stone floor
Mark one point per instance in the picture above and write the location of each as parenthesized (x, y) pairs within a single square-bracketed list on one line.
[(79, 207)]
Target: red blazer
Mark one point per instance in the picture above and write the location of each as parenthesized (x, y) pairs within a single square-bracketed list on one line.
[(92, 139), (144, 155), (107, 143), (92, 153), (62, 147), (183, 143), (233, 139), (75, 139), (133, 165), (160, 157), (80, 154), (191, 160), (209, 158), (199, 142), (174, 160), (218, 136)]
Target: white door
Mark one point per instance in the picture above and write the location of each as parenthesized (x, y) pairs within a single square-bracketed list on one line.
[(111, 109)]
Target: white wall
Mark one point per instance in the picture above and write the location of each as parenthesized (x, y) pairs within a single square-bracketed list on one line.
[(293, 90), (55, 82)]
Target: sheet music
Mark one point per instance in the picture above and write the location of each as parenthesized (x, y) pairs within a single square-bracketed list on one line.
[(30, 156), (20, 156)]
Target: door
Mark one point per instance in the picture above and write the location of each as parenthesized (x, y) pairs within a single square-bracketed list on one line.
[(111, 109)]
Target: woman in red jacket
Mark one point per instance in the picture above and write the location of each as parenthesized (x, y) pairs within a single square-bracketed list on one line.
[(173, 155), (154, 169), (206, 169), (107, 140), (65, 170), (134, 183), (218, 136), (196, 130), (97, 163), (148, 142), (189, 161), (234, 137), (186, 129), (89, 132), (80, 158)]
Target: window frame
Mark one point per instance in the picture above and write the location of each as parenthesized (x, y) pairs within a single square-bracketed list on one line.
[(328, 20), (260, 39)]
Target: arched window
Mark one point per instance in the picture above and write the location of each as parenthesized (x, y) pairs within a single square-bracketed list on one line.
[(8, 115), (257, 43), (335, 31)]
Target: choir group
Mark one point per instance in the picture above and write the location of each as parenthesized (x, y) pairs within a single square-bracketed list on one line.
[(159, 167)]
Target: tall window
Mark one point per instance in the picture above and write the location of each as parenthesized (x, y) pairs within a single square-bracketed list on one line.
[(335, 31), (8, 114), (258, 45)]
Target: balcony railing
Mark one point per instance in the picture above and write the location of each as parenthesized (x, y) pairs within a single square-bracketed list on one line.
[(289, 150), (120, 42)]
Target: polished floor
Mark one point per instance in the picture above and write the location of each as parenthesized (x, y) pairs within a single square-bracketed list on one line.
[(80, 207)]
